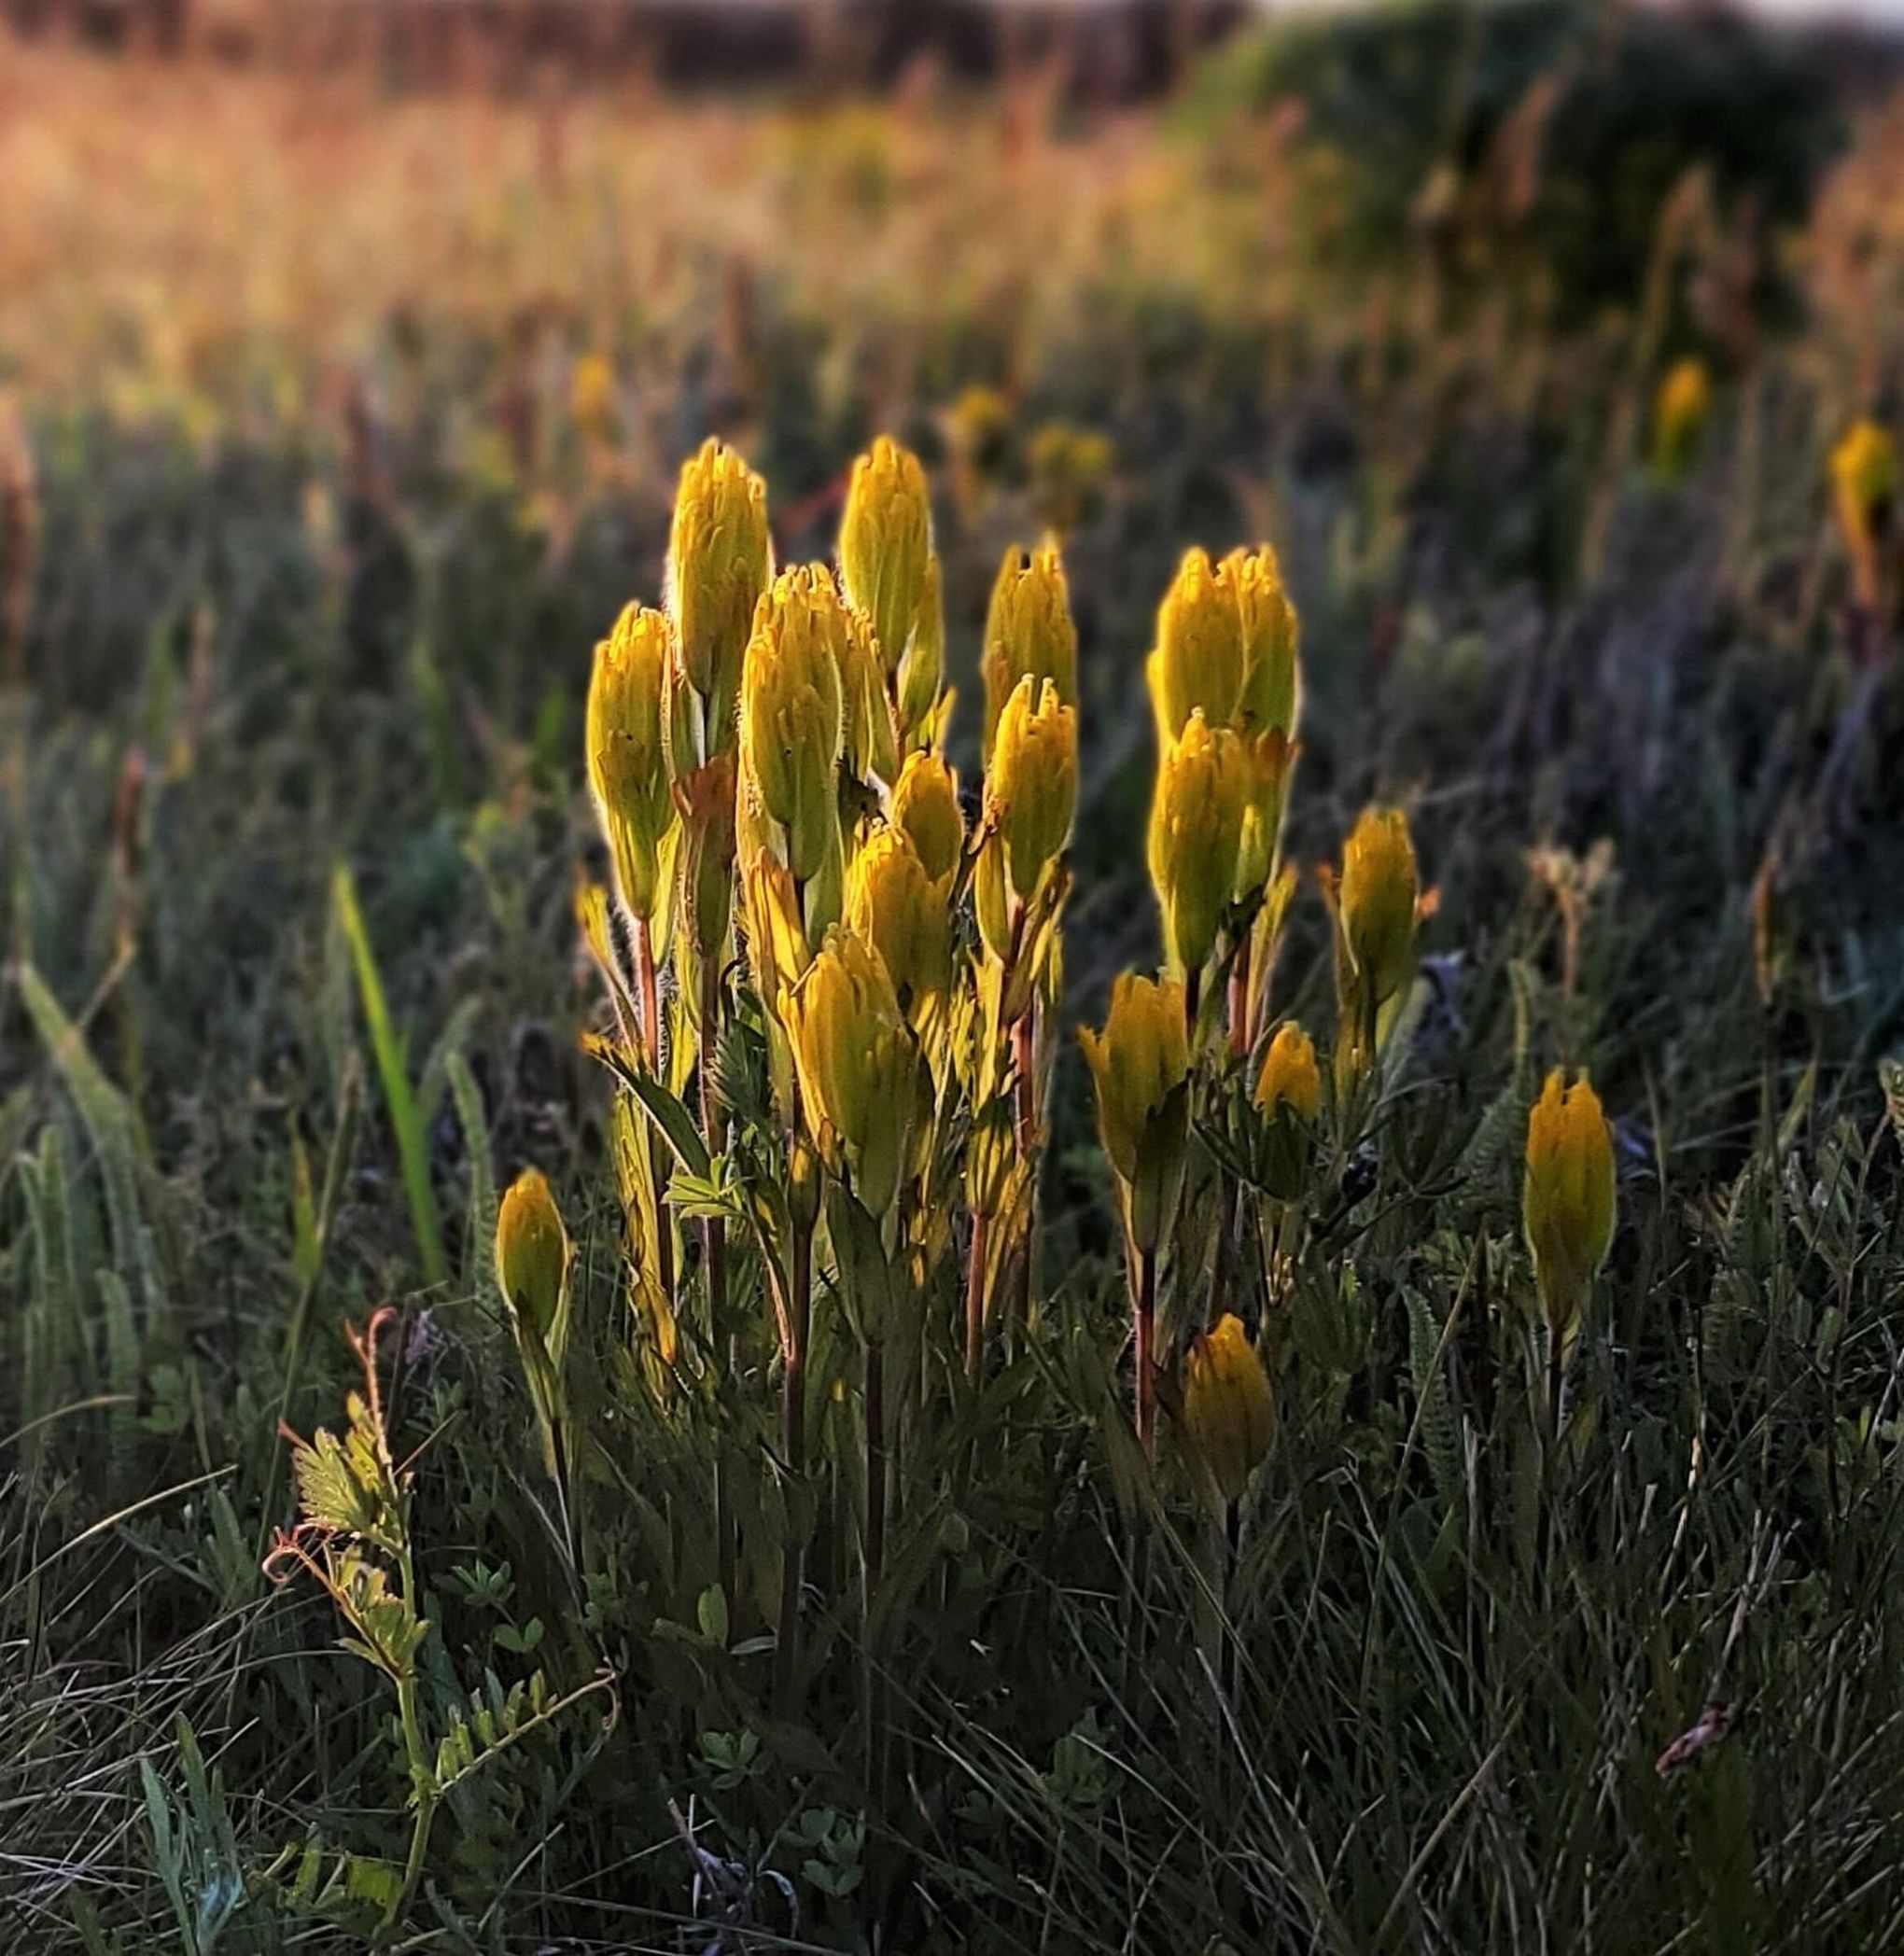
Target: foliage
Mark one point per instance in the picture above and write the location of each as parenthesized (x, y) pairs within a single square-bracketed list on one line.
[(1403, 1679)]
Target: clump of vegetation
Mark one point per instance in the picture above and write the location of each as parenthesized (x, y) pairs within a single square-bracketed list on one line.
[(1007, 1232)]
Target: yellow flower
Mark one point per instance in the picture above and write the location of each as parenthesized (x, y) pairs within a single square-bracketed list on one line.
[(792, 714), (532, 1259), (1289, 1091), (1271, 693), (1028, 633), (1141, 1065), (1228, 1409), (1195, 831), (1375, 903), (1864, 480), (1198, 659), (1288, 1076), (1568, 1197), (591, 403), (886, 540), (902, 913), (1679, 415), (925, 804), (978, 429), (719, 557), (1068, 469), (1032, 787), (855, 1061), (627, 756)]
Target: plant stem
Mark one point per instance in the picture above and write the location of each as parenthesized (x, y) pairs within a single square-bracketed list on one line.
[(713, 1130), (872, 1562), (793, 1433), (649, 987), (1144, 1318), (974, 1293)]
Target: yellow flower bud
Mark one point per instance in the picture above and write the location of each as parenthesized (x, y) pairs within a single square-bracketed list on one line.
[(1375, 903), (1288, 1076), (925, 804), (532, 1259), (1032, 787), (719, 557), (1289, 1091), (902, 913), (1229, 1411), (1195, 831), (1141, 1065), (627, 758), (885, 541), (1568, 1197), (855, 1059), (1864, 483), (1679, 415), (791, 713), (1271, 693), (1198, 659), (1028, 633)]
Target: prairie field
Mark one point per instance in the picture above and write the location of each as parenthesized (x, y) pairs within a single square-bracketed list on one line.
[(951, 1019)]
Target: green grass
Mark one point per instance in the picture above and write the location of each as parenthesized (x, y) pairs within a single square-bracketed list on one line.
[(241, 1106)]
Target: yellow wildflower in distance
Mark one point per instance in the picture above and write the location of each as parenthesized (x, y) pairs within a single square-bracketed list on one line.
[(1229, 1411), (1569, 1196)]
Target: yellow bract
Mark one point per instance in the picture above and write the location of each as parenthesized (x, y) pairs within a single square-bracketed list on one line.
[(885, 541), (1028, 633), (1568, 1197), (902, 913), (792, 714), (1198, 659), (1195, 832), (925, 804), (1032, 787), (627, 756), (1864, 484), (1288, 1076), (1141, 1065), (1376, 898), (532, 1254), (1228, 1408), (855, 1061), (1271, 692), (1679, 415), (719, 557)]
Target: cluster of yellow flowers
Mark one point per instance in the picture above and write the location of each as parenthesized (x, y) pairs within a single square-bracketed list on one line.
[(793, 865)]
